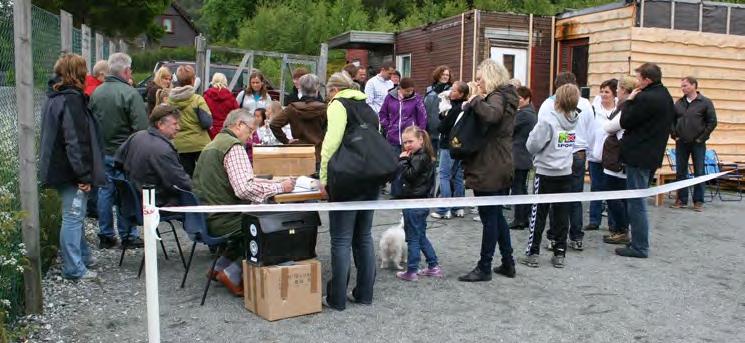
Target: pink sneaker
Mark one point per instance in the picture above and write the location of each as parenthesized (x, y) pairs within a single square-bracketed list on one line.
[(407, 276), (435, 271)]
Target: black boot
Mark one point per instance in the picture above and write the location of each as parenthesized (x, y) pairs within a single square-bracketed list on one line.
[(506, 269), (105, 242), (475, 275)]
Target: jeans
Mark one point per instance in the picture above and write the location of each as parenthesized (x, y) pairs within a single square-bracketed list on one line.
[(559, 215), (617, 214), (697, 152), (520, 187), (73, 247), (638, 178), (189, 161), (351, 230), (598, 180), (450, 169), (575, 208), (106, 196), (496, 231), (415, 226)]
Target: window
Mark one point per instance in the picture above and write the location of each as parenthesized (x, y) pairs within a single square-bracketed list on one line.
[(167, 25), (509, 63), (403, 65)]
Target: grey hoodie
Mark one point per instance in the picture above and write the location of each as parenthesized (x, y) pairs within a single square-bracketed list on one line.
[(551, 142)]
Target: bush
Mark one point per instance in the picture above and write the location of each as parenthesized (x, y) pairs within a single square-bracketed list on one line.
[(144, 61)]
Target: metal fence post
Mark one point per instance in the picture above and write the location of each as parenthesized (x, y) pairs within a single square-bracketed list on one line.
[(323, 60), (201, 44), (85, 46), (65, 31), (29, 189), (282, 79), (99, 48), (112, 47)]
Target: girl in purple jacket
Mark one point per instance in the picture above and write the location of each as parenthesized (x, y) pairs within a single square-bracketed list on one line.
[(402, 108)]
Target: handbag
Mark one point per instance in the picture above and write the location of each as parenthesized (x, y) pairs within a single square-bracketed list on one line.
[(364, 161)]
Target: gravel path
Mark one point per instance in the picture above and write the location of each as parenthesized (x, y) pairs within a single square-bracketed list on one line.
[(690, 290)]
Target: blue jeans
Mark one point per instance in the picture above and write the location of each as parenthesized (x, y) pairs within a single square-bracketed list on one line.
[(415, 226), (618, 219), (575, 208), (697, 152), (598, 180), (495, 231), (450, 169), (73, 247), (351, 230), (638, 178), (106, 196)]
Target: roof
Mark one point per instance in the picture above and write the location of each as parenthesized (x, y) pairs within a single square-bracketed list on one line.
[(601, 8), (361, 40), (184, 14)]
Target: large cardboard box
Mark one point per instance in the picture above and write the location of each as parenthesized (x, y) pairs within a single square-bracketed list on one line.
[(284, 160), (278, 292)]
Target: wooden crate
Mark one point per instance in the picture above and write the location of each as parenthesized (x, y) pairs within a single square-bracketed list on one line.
[(284, 160)]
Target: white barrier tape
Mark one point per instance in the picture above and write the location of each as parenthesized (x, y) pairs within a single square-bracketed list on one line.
[(448, 202)]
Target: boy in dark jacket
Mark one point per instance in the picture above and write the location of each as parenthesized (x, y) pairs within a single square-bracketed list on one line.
[(522, 160)]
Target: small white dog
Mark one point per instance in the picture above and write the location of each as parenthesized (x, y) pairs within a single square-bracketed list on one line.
[(393, 246)]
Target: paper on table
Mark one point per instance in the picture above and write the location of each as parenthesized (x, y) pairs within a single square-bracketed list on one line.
[(305, 184)]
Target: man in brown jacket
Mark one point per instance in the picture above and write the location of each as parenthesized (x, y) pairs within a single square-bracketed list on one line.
[(307, 117)]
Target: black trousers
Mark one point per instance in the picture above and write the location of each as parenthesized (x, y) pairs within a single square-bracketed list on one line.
[(520, 187), (189, 161), (559, 214)]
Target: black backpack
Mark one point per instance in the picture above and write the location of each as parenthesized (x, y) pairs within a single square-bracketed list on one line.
[(364, 161), (468, 135), (612, 150)]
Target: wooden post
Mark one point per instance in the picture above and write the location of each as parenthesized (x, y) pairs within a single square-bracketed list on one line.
[(201, 44), (323, 60), (462, 39), (85, 46), (475, 44), (28, 187), (65, 23), (530, 50), (99, 48), (282, 68), (552, 59)]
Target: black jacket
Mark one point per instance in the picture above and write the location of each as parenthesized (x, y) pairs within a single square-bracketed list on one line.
[(148, 157), (694, 121), (417, 173), (448, 121), (525, 120), (294, 96), (70, 148), (647, 120)]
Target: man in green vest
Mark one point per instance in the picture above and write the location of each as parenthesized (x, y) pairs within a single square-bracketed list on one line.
[(224, 176)]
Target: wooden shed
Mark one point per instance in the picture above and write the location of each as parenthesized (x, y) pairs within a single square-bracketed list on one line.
[(702, 39), (521, 42)]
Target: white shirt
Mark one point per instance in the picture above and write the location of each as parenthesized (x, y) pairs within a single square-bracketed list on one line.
[(376, 90), (583, 129), (598, 135)]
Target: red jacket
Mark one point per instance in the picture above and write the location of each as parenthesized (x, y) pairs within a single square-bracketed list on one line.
[(220, 102), (90, 84)]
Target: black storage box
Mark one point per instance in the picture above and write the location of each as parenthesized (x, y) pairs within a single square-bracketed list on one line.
[(274, 238)]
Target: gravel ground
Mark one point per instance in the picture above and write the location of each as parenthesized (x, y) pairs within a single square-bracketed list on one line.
[(690, 290)]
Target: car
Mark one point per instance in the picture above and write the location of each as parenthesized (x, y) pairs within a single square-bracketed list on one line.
[(227, 69)]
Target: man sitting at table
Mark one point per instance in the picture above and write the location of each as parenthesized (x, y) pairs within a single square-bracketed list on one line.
[(149, 158), (224, 176)]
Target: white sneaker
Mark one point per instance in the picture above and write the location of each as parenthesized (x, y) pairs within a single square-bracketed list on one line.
[(477, 219), (436, 215), (474, 210), (460, 213), (89, 275)]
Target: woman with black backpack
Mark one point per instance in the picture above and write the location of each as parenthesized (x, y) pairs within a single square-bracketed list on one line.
[(488, 171)]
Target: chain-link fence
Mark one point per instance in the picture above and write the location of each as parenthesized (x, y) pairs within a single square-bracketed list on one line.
[(45, 45)]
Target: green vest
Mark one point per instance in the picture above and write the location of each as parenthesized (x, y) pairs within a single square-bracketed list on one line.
[(212, 185)]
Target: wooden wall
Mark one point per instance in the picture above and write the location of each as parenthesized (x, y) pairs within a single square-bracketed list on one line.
[(717, 61)]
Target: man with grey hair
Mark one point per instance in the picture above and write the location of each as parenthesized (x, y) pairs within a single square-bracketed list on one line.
[(224, 176), (307, 117), (120, 112)]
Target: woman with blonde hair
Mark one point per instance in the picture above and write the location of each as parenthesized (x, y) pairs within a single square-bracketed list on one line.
[(489, 171), (551, 142), (71, 159), (220, 101), (161, 80)]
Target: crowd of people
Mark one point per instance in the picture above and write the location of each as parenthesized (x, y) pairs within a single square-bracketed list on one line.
[(96, 129)]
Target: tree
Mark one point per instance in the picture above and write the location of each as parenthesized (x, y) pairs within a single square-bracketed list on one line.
[(223, 18), (115, 18)]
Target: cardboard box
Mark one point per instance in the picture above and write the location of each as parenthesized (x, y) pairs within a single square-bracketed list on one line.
[(284, 160), (278, 292)]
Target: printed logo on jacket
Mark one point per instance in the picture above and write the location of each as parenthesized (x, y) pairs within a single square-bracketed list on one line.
[(566, 139)]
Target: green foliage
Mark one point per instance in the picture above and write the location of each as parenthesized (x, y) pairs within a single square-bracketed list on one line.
[(50, 221), (223, 18), (144, 61)]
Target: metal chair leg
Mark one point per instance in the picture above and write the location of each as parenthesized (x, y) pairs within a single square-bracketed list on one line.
[(162, 245), (121, 258), (188, 264), (142, 265), (178, 244), (209, 278)]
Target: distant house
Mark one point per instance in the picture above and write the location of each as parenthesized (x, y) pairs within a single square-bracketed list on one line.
[(179, 30)]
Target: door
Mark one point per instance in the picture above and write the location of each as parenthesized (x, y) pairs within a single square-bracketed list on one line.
[(514, 60), (573, 56)]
